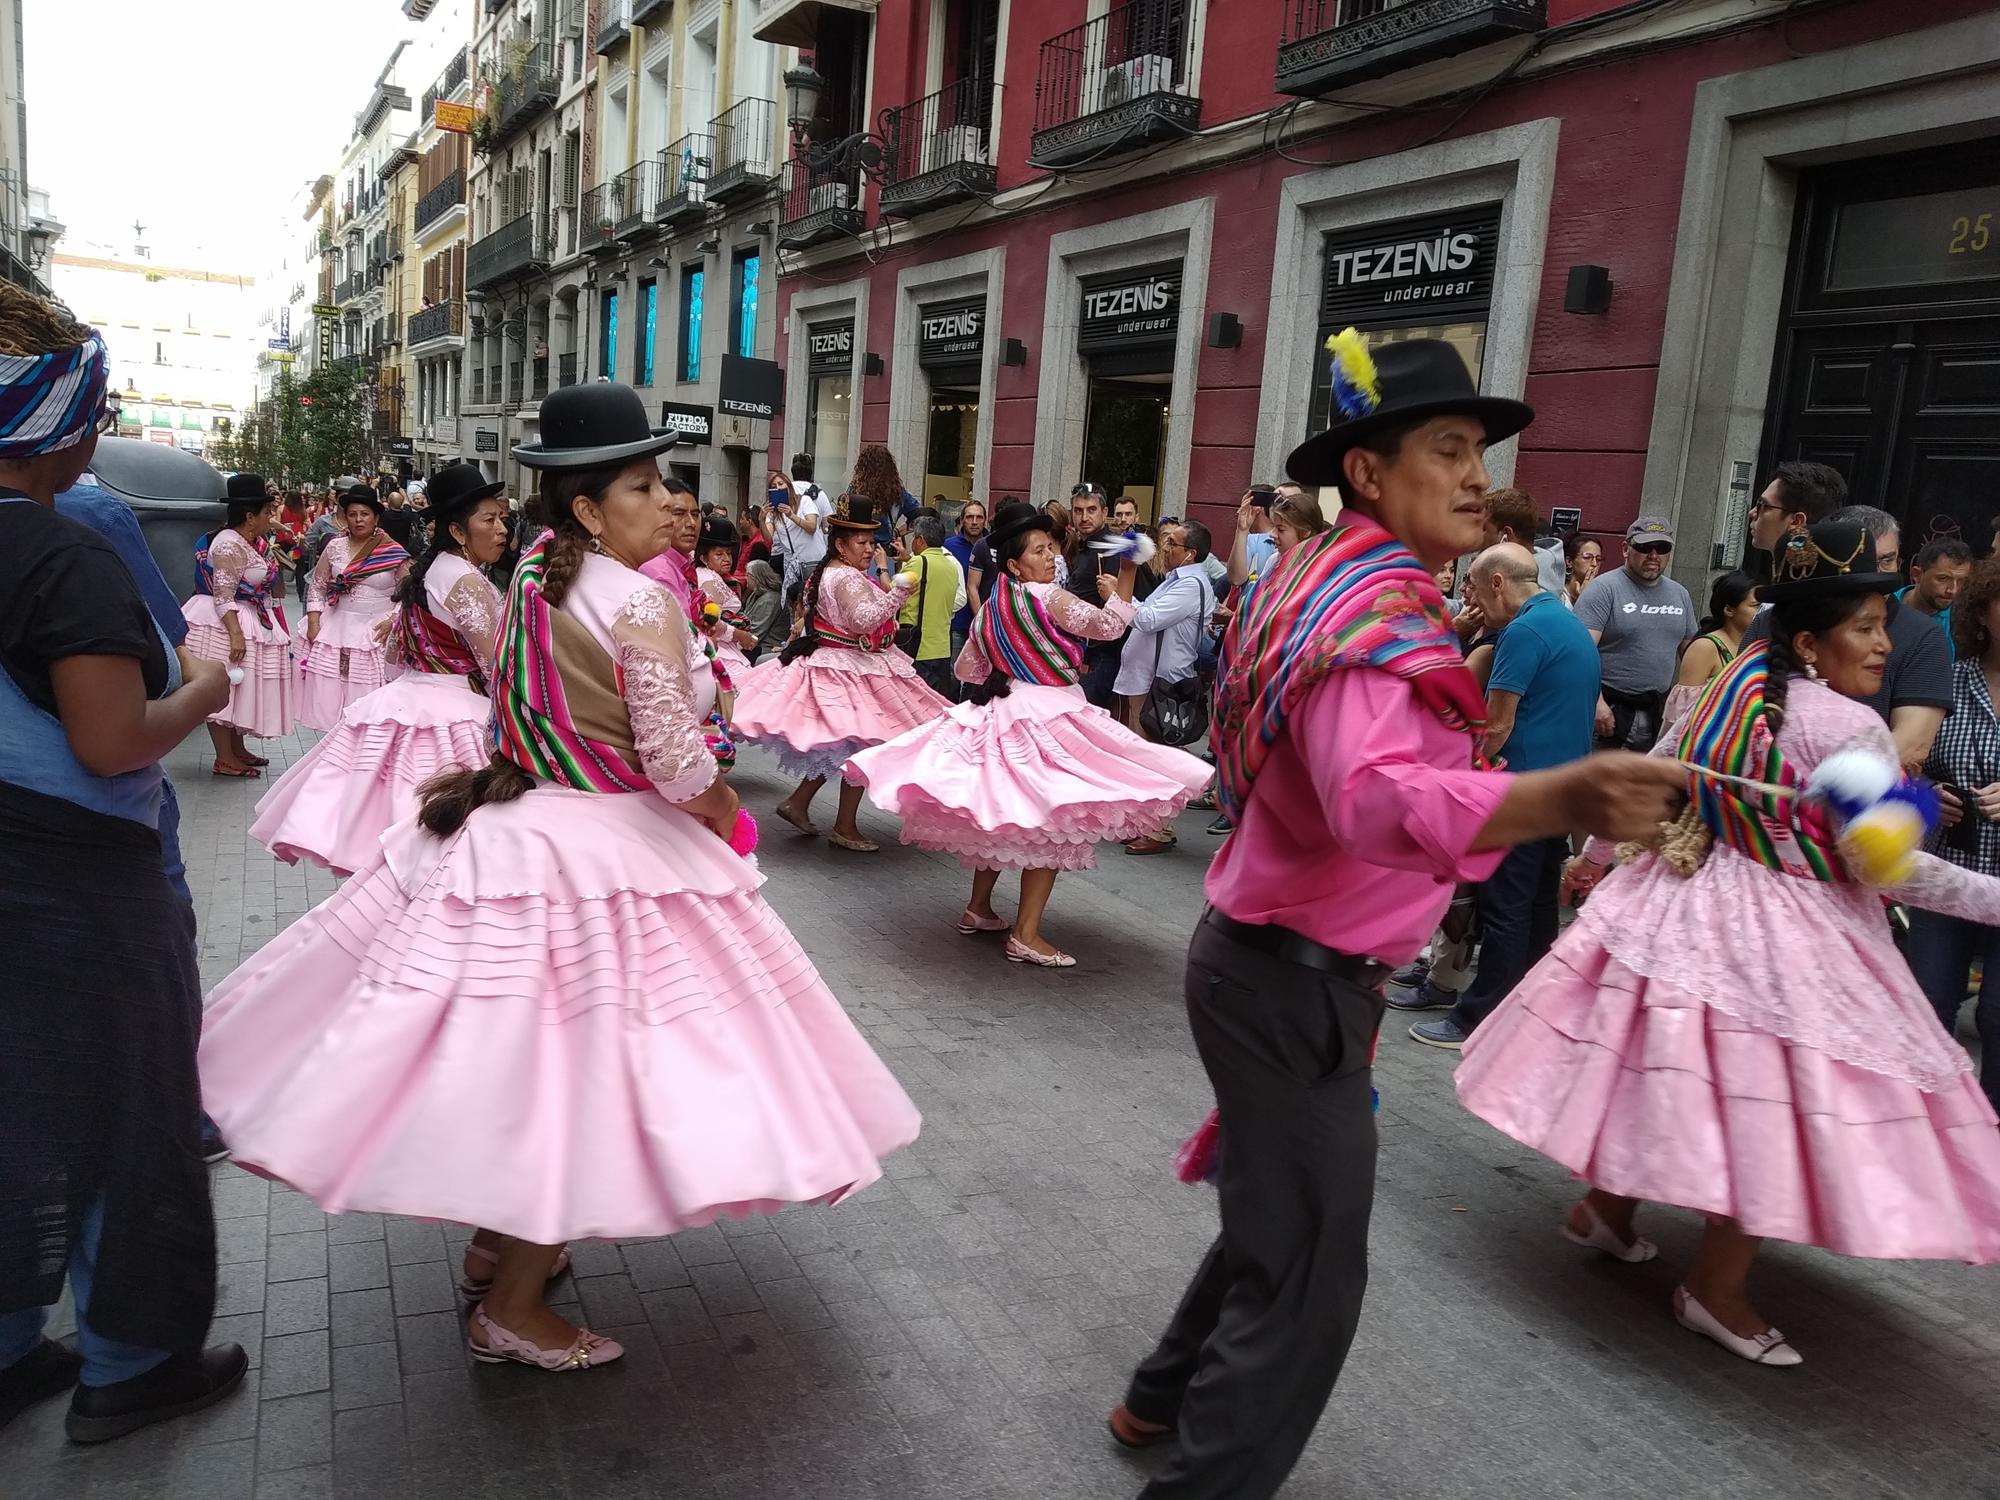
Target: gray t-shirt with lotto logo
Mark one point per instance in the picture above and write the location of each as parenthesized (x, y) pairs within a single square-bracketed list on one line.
[(1640, 629)]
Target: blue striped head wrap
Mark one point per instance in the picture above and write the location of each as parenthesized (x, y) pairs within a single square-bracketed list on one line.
[(49, 402)]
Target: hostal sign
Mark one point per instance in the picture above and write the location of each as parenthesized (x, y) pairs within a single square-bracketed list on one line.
[(1131, 309)]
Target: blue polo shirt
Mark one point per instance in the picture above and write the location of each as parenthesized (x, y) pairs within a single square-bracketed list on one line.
[(1546, 656)]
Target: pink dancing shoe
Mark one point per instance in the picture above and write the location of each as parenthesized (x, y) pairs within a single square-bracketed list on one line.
[(971, 925), (1766, 1348), (504, 1348), (474, 1291), (1601, 1236), (1019, 952)]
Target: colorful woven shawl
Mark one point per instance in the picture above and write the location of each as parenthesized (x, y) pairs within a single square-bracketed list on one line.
[(257, 596), (830, 634), (384, 559), (1351, 597), (1018, 636), (430, 645), (1729, 730), (557, 709)]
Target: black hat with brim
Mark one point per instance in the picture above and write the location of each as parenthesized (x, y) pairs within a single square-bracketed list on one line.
[(456, 488), (1820, 563), (1016, 518), (1417, 379), (591, 426), (360, 494), (244, 487), (716, 533), (854, 513)]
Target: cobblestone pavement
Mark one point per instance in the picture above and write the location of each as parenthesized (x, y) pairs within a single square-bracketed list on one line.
[(960, 1329)]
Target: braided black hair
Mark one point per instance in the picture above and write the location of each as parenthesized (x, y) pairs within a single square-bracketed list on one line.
[(1812, 616), (999, 684), (807, 640), (411, 590)]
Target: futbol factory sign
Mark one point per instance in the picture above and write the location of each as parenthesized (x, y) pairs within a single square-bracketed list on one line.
[(1131, 309)]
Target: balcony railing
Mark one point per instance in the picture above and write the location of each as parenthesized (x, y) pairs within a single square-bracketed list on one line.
[(638, 190), (743, 135), (565, 369), (937, 149), (348, 289), (515, 387), (820, 203), (447, 84), (524, 94), (684, 171), (440, 200), (614, 25), (1113, 83), (538, 372), (445, 321), (1330, 44), (495, 392), (514, 249), (597, 220)]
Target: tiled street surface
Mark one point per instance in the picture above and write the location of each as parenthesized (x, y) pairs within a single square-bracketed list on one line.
[(960, 1329)]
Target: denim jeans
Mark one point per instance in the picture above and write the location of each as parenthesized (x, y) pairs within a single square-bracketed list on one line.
[(1519, 911), (1941, 953), (105, 1361), (937, 672)]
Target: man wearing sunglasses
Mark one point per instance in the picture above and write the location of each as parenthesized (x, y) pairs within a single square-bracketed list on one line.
[(1640, 619)]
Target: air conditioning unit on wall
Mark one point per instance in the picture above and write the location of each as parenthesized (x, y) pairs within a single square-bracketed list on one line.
[(962, 143), (831, 195), (1135, 78)]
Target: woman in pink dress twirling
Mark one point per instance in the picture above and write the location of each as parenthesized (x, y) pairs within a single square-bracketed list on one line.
[(335, 803), (1728, 1026), (349, 599), (840, 685), (556, 1006), (235, 620), (1026, 775)]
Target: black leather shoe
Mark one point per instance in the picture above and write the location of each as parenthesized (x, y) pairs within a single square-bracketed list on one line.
[(46, 1370), (183, 1383)]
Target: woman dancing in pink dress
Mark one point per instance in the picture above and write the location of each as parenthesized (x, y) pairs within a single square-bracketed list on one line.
[(556, 1007), (840, 685), (1733, 1031), (1026, 775), (335, 803), (349, 598), (236, 621)]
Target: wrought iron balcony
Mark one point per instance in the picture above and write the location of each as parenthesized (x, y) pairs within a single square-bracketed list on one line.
[(645, 10), (684, 171), (597, 220), (1113, 83), (938, 149), (565, 369), (743, 135), (617, 210), (516, 249), (524, 92), (444, 321), (448, 83), (440, 200), (348, 288), (614, 25), (820, 203), (538, 383), (1331, 44)]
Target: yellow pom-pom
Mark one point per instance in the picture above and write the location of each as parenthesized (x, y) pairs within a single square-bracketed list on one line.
[(1357, 389), (711, 611), (1880, 845)]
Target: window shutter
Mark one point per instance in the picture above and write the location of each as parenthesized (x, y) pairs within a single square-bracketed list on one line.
[(572, 154)]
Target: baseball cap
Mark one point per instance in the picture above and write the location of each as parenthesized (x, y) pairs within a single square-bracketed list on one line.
[(1650, 529)]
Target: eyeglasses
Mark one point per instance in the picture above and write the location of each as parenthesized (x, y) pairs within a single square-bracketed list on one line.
[(1653, 549), (1766, 508)]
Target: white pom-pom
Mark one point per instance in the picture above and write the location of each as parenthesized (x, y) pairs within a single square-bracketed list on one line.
[(1851, 780), (1133, 544), (907, 580), (235, 676)]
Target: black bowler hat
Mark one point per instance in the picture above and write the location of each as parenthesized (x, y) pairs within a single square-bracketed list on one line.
[(854, 513), (247, 487), (1834, 557), (1411, 381), (586, 426), (360, 494), (1015, 518), (456, 488), (715, 532)]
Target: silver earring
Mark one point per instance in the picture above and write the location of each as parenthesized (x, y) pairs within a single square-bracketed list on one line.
[(597, 546), (1812, 671)]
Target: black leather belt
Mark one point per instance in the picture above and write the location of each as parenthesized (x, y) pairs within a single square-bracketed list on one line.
[(1293, 948)]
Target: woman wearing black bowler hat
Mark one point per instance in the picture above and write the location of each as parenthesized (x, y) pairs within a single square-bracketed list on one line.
[(349, 598), (335, 803), (555, 1006), (236, 621)]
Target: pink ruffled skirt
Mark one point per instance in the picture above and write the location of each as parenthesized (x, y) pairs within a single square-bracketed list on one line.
[(335, 803), (343, 665), (1641, 1089), (818, 710), (575, 1018), (1034, 780), (265, 703)]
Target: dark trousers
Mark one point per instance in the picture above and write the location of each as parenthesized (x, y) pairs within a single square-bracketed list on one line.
[(1941, 952), (1519, 915), (1251, 1356), (937, 672), (1100, 670)]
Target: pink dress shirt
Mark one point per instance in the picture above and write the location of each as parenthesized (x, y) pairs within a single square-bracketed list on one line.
[(1358, 844), (676, 571)]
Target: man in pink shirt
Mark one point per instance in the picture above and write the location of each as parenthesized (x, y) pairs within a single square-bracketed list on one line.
[(1346, 736)]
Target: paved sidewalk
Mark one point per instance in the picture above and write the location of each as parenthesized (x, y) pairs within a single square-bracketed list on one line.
[(960, 1329)]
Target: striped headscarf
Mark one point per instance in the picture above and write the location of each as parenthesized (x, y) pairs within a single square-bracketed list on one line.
[(1729, 730), (49, 402), (1019, 638), (1350, 597), (537, 707)]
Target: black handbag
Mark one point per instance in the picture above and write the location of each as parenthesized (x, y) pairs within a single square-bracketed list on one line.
[(1174, 713)]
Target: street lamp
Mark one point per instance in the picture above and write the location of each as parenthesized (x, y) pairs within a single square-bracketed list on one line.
[(863, 152), (803, 87)]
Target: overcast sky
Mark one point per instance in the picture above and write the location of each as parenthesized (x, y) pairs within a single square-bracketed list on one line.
[(197, 118)]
